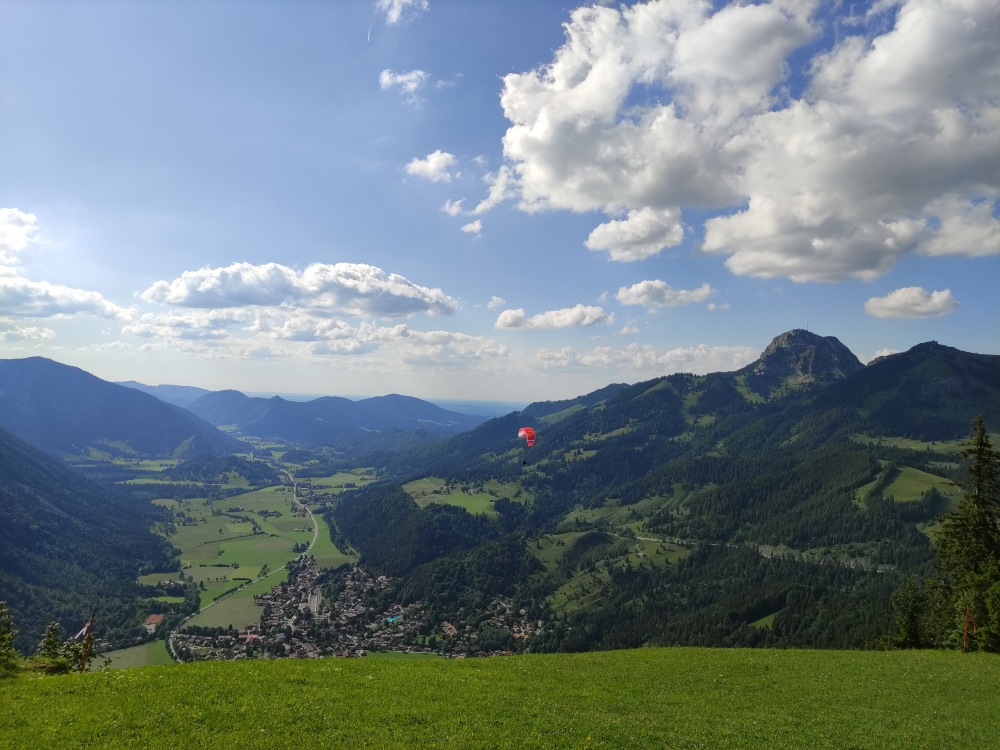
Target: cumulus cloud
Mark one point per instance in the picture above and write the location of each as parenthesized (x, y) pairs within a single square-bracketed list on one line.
[(879, 354), (453, 208), (567, 317), (39, 299), (699, 359), (433, 168), (656, 293), (501, 188), (712, 306), (644, 232), (23, 298), (473, 227), (890, 148), (17, 231), (396, 11), (409, 83), (348, 288), (11, 330), (912, 302), (496, 302)]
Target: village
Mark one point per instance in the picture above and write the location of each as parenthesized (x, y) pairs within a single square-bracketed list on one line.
[(315, 615)]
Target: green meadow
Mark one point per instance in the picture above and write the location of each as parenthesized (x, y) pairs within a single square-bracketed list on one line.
[(907, 485), (672, 698)]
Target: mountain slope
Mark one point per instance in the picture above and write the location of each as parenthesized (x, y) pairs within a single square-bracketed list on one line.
[(931, 392), (69, 547), (65, 410), (687, 510), (328, 419), (178, 395), (798, 359)]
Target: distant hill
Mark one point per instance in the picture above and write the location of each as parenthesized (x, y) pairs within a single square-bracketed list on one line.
[(328, 419), (931, 392), (65, 410), (178, 395), (69, 546)]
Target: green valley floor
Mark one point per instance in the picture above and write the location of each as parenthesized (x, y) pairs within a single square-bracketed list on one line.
[(662, 698)]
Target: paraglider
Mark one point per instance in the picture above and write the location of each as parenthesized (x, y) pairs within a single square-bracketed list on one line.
[(528, 433)]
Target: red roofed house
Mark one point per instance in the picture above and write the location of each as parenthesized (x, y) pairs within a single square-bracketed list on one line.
[(152, 622)]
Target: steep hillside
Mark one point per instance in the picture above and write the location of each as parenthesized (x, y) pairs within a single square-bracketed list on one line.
[(799, 359), (329, 419), (178, 395), (736, 506), (65, 410), (931, 392), (69, 547)]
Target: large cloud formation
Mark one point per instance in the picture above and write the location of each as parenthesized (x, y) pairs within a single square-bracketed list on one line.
[(21, 297), (348, 288), (891, 144)]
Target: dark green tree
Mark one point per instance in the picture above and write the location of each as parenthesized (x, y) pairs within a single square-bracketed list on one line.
[(51, 645), (910, 604), (9, 658), (968, 546)]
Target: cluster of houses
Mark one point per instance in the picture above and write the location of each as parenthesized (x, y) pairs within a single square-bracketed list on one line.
[(313, 615)]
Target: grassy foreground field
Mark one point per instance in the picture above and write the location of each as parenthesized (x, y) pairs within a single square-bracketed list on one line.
[(675, 698)]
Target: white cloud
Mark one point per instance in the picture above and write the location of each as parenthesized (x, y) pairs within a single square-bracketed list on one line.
[(39, 299), (878, 355), (645, 359), (349, 288), (967, 228), (453, 208), (396, 10), (13, 331), (627, 330), (496, 302), (891, 148), (23, 298), (501, 188), (567, 317), (473, 227), (656, 293), (645, 232), (409, 83), (17, 231), (912, 302), (713, 306), (433, 168)]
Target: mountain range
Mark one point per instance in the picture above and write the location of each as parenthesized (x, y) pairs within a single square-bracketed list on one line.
[(327, 419), (67, 411)]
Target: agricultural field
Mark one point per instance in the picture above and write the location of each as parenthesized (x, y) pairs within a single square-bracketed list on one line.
[(938, 446), (148, 654), (431, 490), (678, 697), (908, 485)]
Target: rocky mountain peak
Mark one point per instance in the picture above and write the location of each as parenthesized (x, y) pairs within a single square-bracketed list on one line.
[(797, 359)]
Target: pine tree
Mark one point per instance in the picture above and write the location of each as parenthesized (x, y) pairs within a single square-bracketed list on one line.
[(50, 647), (10, 660), (968, 545)]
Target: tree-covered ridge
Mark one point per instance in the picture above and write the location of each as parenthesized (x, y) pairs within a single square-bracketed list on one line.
[(760, 498), (69, 547)]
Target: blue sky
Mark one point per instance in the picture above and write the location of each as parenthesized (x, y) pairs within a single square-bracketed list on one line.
[(673, 185)]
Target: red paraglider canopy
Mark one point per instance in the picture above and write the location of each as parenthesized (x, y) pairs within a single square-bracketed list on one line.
[(529, 433)]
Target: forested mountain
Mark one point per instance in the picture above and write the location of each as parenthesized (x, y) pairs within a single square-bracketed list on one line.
[(69, 546), (685, 509), (64, 410), (329, 419), (178, 395)]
